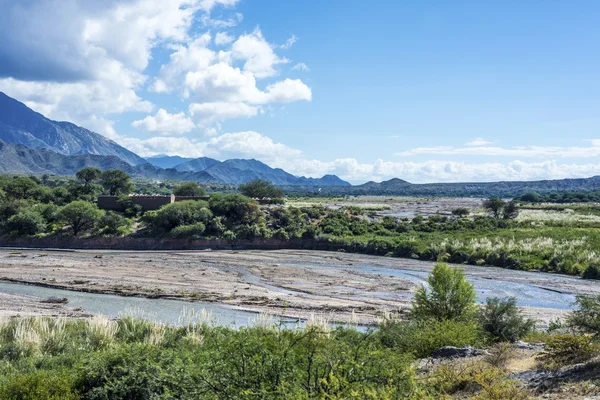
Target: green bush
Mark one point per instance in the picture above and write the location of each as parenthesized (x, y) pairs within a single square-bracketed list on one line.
[(592, 271), (187, 212), (189, 189), (449, 296), (503, 321), (26, 223), (565, 349), (80, 215), (423, 337), (112, 223), (194, 231), (586, 317)]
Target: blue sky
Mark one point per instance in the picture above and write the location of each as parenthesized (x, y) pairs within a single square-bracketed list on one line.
[(423, 91)]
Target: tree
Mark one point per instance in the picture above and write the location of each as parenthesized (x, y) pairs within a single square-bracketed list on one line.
[(189, 189), (511, 211), (494, 206), (88, 175), (260, 188), (172, 215), (80, 215), (450, 296), (20, 188), (586, 317), (461, 212), (503, 320), (26, 222), (116, 182)]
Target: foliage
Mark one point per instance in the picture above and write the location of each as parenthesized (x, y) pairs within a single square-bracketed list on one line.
[(88, 175), (20, 188), (461, 212), (80, 215), (586, 317), (172, 215), (423, 337), (193, 231), (502, 319), (260, 189), (494, 206), (26, 223), (450, 296), (116, 182), (501, 355), (510, 211), (566, 349), (189, 189), (592, 271), (113, 224)]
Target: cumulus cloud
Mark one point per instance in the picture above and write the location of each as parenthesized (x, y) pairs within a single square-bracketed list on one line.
[(258, 55), (165, 123), (86, 61), (222, 38)]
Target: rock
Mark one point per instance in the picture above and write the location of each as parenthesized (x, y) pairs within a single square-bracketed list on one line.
[(55, 300), (457, 352), (529, 346), (542, 380)]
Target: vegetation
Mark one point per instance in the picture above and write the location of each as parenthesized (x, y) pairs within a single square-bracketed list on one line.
[(503, 321), (260, 188), (189, 189), (510, 235)]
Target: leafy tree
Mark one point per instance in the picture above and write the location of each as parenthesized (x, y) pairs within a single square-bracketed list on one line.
[(461, 212), (189, 189), (450, 296), (236, 209), (503, 320), (177, 214), (80, 215), (88, 175), (20, 188), (112, 223), (494, 206), (26, 222), (260, 188), (511, 211), (116, 182)]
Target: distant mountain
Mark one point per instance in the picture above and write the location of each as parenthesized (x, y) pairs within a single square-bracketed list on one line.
[(18, 158), (236, 171), (164, 161), (21, 125), (196, 164)]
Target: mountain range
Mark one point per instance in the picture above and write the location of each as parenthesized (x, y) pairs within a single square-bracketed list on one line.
[(33, 144)]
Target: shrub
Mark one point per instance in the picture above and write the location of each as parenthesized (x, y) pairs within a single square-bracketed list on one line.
[(423, 337), (586, 317), (187, 212), (500, 355), (47, 385), (565, 349), (592, 271), (26, 223), (450, 295), (503, 321), (193, 231), (461, 212), (112, 223)]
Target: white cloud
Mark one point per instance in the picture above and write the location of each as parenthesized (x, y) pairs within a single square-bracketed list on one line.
[(301, 67), (478, 142), (208, 113), (290, 42), (258, 55), (165, 123), (519, 151), (223, 38)]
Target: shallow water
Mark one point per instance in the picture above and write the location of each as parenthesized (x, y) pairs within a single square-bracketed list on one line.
[(160, 310)]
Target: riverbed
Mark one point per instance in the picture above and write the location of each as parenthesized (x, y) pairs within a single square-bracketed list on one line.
[(234, 285)]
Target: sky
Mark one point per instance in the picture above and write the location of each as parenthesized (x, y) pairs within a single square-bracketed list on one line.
[(432, 91)]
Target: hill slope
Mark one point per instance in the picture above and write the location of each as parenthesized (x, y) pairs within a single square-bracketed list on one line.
[(21, 125)]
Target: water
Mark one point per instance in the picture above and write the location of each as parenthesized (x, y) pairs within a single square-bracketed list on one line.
[(160, 310)]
